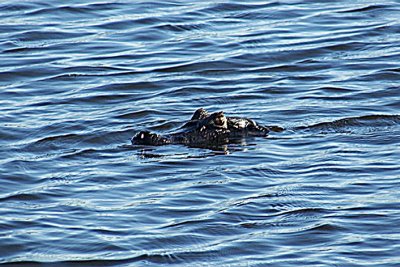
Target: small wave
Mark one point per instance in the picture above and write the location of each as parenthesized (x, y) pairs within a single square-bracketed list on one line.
[(370, 121), (57, 10), (364, 9), (219, 65), (45, 35), (235, 7), (181, 27)]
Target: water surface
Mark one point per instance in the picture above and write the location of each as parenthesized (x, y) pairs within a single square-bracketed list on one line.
[(79, 79)]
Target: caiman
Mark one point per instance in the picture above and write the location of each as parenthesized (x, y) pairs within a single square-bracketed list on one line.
[(207, 130)]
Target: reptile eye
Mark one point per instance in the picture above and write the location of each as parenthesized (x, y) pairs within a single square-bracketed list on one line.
[(218, 121)]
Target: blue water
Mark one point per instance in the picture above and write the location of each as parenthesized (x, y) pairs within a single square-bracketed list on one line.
[(79, 79)]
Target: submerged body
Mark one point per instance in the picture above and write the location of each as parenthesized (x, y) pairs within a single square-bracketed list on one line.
[(206, 129)]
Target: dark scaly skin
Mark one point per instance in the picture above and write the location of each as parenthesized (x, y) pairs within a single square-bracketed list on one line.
[(206, 129)]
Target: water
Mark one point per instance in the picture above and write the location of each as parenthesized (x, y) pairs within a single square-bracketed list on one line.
[(79, 79)]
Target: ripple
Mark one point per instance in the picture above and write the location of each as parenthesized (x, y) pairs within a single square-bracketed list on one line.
[(366, 8), (370, 121)]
